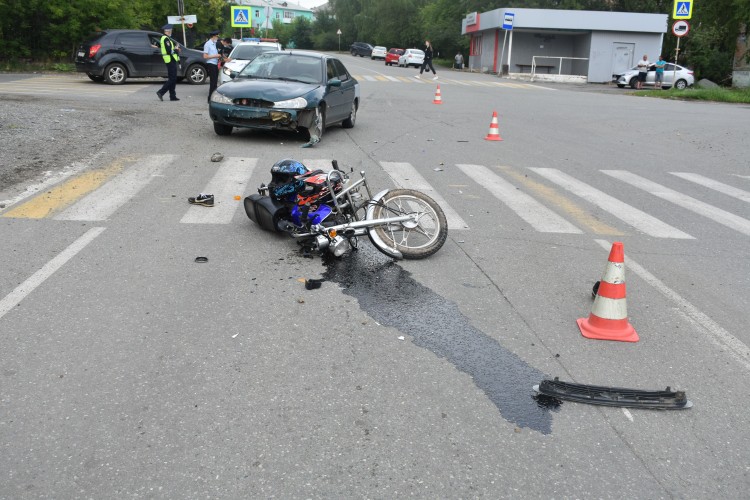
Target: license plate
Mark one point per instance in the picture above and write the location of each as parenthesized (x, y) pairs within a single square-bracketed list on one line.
[(81, 54)]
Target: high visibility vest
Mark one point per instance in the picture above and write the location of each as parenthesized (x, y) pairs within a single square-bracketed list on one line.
[(167, 55)]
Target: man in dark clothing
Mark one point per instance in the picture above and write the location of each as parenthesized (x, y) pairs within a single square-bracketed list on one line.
[(170, 54), (211, 56)]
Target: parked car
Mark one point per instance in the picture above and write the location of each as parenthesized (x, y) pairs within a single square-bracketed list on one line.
[(411, 57), (113, 56), (243, 53), (392, 56), (281, 90), (361, 49), (684, 77), (378, 52)]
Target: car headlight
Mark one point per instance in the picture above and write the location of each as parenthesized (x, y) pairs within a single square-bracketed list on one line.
[(296, 103), (227, 71), (220, 98)]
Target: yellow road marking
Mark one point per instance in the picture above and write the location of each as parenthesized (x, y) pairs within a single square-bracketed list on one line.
[(64, 195), (573, 209)]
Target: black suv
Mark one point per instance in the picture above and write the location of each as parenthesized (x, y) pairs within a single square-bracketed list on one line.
[(113, 56), (361, 49)]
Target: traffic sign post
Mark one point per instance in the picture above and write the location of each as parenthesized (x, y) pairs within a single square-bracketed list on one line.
[(679, 29), (182, 19), (683, 9), (338, 32)]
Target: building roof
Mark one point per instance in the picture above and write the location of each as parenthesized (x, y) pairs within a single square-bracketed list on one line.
[(577, 20)]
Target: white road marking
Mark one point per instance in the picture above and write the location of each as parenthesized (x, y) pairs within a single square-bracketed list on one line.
[(526, 207), (405, 176), (229, 181), (628, 415), (103, 202), (723, 217), (626, 213), (740, 194), (734, 346), (24, 289)]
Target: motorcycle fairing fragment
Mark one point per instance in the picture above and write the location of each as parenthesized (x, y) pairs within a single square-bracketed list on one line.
[(614, 396)]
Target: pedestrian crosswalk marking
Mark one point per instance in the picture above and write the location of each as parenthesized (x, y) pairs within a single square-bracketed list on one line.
[(626, 213), (529, 209), (102, 203), (63, 84), (723, 217), (565, 203), (58, 197), (229, 181), (405, 176), (715, 185)]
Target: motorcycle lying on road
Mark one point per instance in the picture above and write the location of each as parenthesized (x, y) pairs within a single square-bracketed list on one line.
[(329, 211)]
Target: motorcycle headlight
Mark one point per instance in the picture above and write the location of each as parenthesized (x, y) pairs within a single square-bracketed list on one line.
[(220, 98), (296, 103)]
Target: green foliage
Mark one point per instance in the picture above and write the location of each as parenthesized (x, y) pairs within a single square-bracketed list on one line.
[(740, 96)]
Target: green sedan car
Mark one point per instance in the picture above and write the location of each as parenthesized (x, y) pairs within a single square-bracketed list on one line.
[(287, 90)]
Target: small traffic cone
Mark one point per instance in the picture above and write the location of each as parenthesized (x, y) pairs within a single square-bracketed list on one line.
[(438, 99), (494, 133), (609, 314)]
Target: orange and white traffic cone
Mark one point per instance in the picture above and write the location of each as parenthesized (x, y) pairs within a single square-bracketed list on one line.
[(494, 133), (609, 314), (438, 99)]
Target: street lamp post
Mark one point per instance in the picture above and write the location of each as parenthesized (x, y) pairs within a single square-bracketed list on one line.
[(338, 32)]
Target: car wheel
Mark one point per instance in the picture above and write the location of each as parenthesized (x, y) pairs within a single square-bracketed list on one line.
[(196, 74), (95, 78), (222, 129), (633, 82), (115, 74), (681, 84), (349, 122)]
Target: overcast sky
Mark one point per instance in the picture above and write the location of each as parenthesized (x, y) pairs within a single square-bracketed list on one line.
[(310, 3)]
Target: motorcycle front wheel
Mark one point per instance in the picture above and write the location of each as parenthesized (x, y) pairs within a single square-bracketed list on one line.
[(415, 240)]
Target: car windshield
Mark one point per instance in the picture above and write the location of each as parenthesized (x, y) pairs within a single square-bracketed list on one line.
[(284, 66), (248, 52)]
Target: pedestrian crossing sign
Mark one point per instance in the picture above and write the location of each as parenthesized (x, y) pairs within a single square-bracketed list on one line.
[(683, 9), (240, 17)]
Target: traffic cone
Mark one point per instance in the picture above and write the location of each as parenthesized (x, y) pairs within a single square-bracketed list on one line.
[(438, 99), (609, 314), (494, 133)]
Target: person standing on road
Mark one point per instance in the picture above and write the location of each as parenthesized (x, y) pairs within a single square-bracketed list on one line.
[(659, 76), (212, 56), (171, 56), (643, 65), (427, 61), (225, 48)]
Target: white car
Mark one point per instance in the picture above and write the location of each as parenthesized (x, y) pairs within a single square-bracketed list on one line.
[(378, 52), (684, 77), (411, 57), (243, 53)]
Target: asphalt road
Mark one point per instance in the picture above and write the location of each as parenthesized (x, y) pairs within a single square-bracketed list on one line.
[(127, 369)]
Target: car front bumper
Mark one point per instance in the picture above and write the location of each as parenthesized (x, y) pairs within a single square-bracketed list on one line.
[(261, 118)]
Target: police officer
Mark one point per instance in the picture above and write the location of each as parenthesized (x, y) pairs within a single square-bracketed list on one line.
[(212, 56), (169, 52)]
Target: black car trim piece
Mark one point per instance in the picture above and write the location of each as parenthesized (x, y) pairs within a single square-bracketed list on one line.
[(614, 396)]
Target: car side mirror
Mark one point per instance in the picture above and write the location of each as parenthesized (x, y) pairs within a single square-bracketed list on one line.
[(334, 82)]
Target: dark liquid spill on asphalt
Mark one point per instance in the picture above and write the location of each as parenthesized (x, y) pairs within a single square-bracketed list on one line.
[(388, 294)]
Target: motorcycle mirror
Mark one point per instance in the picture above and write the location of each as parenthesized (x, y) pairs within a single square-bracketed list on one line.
[(335, 164)]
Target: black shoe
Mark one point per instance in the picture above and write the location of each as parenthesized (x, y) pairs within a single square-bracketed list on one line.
[(174, 99), (207, 200), (160, 96)]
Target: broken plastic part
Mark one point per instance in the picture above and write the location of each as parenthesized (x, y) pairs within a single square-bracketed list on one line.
[(614, 396)]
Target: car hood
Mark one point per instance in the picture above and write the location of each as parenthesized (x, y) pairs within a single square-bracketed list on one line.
[(267, 90), (236, 64)]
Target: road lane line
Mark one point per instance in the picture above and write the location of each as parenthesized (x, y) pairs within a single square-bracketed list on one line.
[(526, 207), (736, 348), (626, 213), (24, 289), (59, 197), (723, 217), (552, 196), (405, 176), (715, 185), (102, 203), (229, 181)]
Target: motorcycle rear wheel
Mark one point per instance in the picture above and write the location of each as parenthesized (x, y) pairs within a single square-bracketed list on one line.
[(414, 240)]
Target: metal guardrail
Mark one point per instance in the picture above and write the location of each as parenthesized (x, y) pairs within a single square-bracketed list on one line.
[(559, 65)]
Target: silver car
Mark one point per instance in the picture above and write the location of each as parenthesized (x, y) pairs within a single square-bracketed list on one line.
[(684, 77), (411, 57), (378, 52)]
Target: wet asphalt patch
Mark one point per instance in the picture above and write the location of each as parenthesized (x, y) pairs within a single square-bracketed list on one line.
[(389, 295)]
